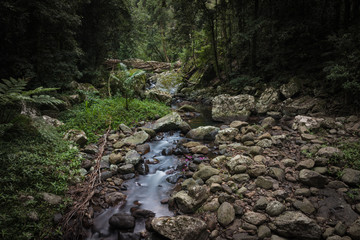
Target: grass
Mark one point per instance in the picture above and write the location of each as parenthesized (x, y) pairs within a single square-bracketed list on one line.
[(34, 159), (351, 154), (94, 115)]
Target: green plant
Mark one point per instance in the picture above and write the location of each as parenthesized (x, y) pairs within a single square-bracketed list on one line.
[(126, 81), (349, 156)]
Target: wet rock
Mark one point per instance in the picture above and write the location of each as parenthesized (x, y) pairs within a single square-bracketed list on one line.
[(225, 214), (143, 148), (180, 228), (312, 178), (275, 208), (129, 236), (264, 232), (305, 206), (174, 178), (354, 230), (127, 168), (228, 108), (226, 135), (172, 121), (122, 221), (290, 89), (255, 218), (132, 157), (142, 213), (77, 136), (329, 152), (296, 225), (264, 182), (114, 198), (51, 198), (105, 175), (205, 173), (351, 176), (203, 133), (265, 103), (115, 158)]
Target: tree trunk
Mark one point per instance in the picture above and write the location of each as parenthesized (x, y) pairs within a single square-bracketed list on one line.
[(254, 39), (347, 7), (214, 47)]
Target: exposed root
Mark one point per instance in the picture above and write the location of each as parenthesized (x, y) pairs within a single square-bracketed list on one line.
[(72, 222)]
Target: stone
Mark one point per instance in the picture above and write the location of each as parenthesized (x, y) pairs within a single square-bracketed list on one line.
[(51, 198), (303, 192), (200, 149), (136, 139), (288, 162), (226, 135), (351, 176), (240, 178), (143, 148), (211, 206), (305, 164), (261, 203), (340, 228), (149, 131), (277, 173), (256, 170), (191, 201), (180, 228), (226, 108), (187, 108), (125, 129), (129, 236), (255, 218), (122, 221), (276, 237), (214, 179), (115, 158), (337, 184), (263, 232), (265, 103), (312, 178), (264, 182), (127, 168), (142, 213), (225, 214), (203, 133), (238, 160), (303, 105), (215, 187), (290, 89), (114, 198), (77, 136), (329, 152), (205, 173), (264, 143), (293, 224), (275, 208), (308, 137), (132, 157), (172, 121), (354, 230), (238, 124), (105, 175), (309, 123), (305, 206), (268, 122), (158, 95)]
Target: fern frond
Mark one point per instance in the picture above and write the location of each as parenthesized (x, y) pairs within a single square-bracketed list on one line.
[(45, 99), (39, 90)]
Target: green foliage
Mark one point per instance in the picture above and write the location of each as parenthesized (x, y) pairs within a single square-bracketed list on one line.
[(94, 116), (34, 159), (244, 80), (351, 155)]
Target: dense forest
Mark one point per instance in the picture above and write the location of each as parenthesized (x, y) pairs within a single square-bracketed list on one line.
[(54, 42)]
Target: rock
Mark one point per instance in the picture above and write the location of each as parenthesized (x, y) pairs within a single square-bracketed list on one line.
[(142, 213), (240, 178), (125, 129), (340, 228), (288, 162), (309, 123), (264, 232), (143, 148), (354, 230), (264, 143), (149, 131), (105, 175), (290, 89), (238, 124), (115, 158), (158, 95), (308, 137), (132, 157), (136, 139), (305, 206), (277, 173), (275, 208), (114, 198), (305, 164), (129, 236), (226, 108), (256, 170), (303, 105), (264, 182), (296, 225), (52, 121), (122, 221), (172, 121), (226, 135), (225, 214), (261, 203), (255, 218), (203, 133), (33, 216), (238, 160), (312, 178), (215, 187), (205, 173), (268, 122), (200, 149), (51, 198), (211, 206), (77, 136), (329, 152), (127, 168), (180, 228), (303, 192), (351, 176), (265, 103), (188, 203)]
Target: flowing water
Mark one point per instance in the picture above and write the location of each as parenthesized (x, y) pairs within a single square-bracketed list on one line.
[(144, 191)]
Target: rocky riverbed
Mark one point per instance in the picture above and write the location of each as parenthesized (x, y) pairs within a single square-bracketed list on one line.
[(274, 177)]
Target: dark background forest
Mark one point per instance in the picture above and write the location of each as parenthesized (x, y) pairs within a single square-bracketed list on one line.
[(53, 42)]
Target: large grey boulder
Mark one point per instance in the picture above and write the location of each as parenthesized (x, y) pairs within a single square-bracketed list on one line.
[(228, 108), (158, 95), (122, 221), (329, 152), (225, 214), (180, 228), (267, 100), (203, 133), (77, 136), (205, 173), (302, 105), (351, 176), (312, 178), (238, 160), (226, 135), (137, 138), (290, 89), (296, 225), (189, 201), (132, 157), (172, 121)]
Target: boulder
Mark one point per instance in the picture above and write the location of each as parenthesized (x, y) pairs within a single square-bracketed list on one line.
[(290, 89), (125, 129), (351, 176), (189, 202), (296, 225), (172, 121), (143, 148), (354, 230), (180, 228), (205, 173), (225, 214), (238, 160), (238, 124), (226, 108), (275, 208), (187, 108), (159, 96), (203, 133), (122, 221), (77, 136), (255, 218), (226, 135), (303, 105), (312, 178), (114, 198), (137, 138), (329, 152), (132, 157), (264, 182), (265, 103), (310, 123)]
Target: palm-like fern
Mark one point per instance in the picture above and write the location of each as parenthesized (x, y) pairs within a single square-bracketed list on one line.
[(12, 92)]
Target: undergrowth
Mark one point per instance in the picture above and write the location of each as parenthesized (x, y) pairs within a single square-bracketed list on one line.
[(95, 114), (34, 159), (350, 156)]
